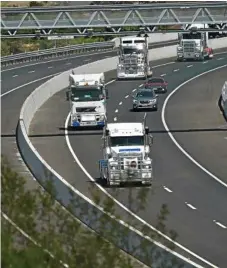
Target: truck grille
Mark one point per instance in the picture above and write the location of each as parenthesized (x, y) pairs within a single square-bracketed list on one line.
[(189, 46)]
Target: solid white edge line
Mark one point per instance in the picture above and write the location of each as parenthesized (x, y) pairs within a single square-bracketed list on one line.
[(130, 212), (171, 135), (124, 207)]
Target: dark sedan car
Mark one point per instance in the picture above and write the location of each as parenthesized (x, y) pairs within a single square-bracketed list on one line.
[(158, 84)]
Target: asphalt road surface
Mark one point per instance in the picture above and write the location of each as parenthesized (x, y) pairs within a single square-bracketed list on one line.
[(195, 200)]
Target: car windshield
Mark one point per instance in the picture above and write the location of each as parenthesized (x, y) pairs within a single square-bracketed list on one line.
[(156, 80), (142, 94), (127, 141), (91, 94), (131, 51)]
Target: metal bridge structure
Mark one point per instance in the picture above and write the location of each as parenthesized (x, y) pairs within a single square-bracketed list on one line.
[(109, 19)]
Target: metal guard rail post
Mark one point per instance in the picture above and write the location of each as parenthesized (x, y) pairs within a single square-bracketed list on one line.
[(55, 52)]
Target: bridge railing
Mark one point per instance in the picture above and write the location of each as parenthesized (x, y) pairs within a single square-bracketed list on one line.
[(55, 52)]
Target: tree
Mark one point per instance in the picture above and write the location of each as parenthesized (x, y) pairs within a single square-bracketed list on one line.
[(62, 239)]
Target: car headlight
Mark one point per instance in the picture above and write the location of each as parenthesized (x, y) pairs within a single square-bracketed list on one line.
[(153, 101), (135, 101)]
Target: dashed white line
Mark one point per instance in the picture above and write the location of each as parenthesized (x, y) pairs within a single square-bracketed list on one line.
[(189, 66), (176, 70), (205, 62), (141, 85), (126, 96), (50, 67), (86, 60), (220, 224), (190, 206), (68, 63), (134, 90), (116, 111), (167, 189), (31, 72), (15, 75), (115, 118), (220, 58), (162, 74), (120, 103)]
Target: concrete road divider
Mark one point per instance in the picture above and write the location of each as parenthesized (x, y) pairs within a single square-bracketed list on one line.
[(42, 171)]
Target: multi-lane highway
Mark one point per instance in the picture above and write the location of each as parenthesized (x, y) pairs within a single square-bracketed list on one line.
[(197, 202)]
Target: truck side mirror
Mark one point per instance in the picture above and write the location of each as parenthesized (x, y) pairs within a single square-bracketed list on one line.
[(150, 139), (67, 95)]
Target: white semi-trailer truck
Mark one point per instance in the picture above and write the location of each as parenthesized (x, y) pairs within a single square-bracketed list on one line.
[(87, 96), (194, 44), (133, 58), (126, 154)]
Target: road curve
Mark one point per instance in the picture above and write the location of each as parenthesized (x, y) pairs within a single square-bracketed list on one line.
[(177, 179)]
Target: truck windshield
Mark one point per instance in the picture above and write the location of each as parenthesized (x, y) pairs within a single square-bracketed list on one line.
[(192, 36), (132, 50), (127, 141), (91, 94)]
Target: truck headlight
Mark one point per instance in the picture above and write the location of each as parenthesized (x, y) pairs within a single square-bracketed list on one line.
[(102, 117), (74, 117), (179, 48)]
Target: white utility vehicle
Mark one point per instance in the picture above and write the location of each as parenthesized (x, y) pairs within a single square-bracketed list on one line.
[(133, 58), (194, 44), (87, 96), (126, 154)]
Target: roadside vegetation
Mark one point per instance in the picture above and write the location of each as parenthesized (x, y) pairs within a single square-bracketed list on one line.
[(59, 239)]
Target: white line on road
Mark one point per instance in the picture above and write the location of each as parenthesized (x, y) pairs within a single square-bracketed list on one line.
[(68, 63), (15, 75), (171, 135), (189, 66), (116, 111), (220, 58), (190, 206), (220, 224), (126, 96), (163, 75), (50, 67), (120, 103), (115, 118), (134, 90), (85, 60), (176, 70), (205, 62), (167, 189), (31, 72)]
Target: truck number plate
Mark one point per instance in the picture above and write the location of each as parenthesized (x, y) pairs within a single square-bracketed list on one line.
[(88, 123)]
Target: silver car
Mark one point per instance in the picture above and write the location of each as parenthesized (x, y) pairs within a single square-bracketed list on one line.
[(145, 98)]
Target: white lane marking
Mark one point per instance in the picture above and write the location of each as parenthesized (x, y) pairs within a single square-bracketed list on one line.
[(15, 75), (43, 62), (85, 60), (29, 83), (68, 63), (116, 111), (141, 85), (115, 118), (163, 75), (134, 90), (167, 189), (189, 66), (30, 238), (128, 210), (220, 224), (205, 62), (126, 96), (30, 72), (50, 67), (176, 70), (190, 206), (171, 135), (120, 103), (220, 58)]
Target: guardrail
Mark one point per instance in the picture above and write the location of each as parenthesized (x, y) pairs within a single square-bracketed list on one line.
[(55, 52)]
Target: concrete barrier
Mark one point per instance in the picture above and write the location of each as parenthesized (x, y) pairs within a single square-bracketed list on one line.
[(42, 171)]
